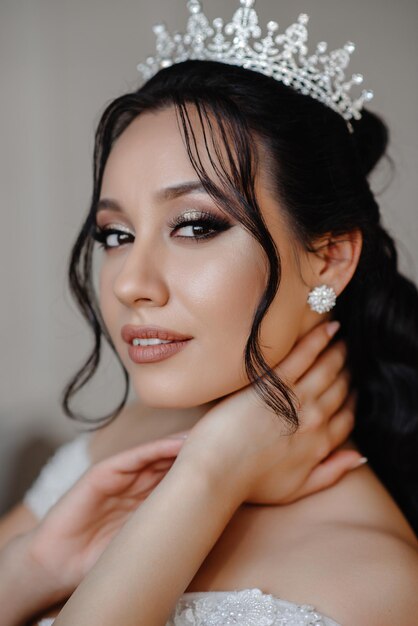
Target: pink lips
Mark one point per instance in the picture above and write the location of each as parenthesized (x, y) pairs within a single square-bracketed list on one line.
[(130, 332), (151, 354)]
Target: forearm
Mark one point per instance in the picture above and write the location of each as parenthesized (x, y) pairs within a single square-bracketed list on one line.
[(152, 560), (24, 591)]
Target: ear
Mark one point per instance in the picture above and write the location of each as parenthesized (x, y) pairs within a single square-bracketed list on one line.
[(335, 260)]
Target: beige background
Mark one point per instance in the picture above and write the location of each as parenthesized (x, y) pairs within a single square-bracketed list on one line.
[(61, 62)]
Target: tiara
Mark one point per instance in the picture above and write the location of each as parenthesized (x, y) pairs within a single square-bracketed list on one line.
[(284, 57)]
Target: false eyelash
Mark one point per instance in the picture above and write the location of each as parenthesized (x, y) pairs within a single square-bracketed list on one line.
[(203, 219), (101, 234), (217, 224)]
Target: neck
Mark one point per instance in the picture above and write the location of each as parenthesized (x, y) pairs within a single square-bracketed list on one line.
[(161, 422)]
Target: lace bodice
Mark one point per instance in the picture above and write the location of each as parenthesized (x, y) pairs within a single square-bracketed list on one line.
[(246, 607)]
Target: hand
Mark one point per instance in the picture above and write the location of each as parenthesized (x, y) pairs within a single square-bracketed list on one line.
[(77, 529), (242, 441)]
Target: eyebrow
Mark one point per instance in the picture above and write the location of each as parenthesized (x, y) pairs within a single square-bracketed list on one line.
[(168, 193)]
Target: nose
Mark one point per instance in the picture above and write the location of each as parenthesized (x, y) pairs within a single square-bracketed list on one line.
[(140, 278)]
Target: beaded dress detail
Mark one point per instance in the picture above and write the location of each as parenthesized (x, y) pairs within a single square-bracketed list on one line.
[(246, 607), (249, 607)]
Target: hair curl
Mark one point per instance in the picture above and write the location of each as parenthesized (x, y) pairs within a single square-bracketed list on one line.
[(320, 175)]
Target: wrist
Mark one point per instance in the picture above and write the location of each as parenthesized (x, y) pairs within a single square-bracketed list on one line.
[(223, 480), (56, 588), (25, 590), (161, 546), (48, 589)]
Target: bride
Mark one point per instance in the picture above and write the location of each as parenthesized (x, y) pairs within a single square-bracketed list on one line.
[(234, 214)]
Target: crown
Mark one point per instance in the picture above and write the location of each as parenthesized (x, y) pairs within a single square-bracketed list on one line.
[(282, 56)]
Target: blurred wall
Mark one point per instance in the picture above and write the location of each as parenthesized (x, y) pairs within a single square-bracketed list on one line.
[(61, 62)]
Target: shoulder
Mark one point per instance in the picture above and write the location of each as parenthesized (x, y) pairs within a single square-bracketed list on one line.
[(360, 554), (353, 573), (368, 578), (347, 550)]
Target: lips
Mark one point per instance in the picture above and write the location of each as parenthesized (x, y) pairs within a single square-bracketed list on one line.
[(130, 332), (152, 354)]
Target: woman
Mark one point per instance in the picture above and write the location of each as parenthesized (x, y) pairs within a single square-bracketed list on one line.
[(278, 182)]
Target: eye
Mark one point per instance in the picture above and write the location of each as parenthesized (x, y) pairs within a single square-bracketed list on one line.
[(192, 221), (102, 235), (197, 222)]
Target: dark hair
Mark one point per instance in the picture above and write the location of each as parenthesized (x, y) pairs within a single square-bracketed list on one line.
[(320, 173)]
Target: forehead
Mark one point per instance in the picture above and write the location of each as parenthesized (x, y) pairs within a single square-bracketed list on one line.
[(151, 154), (149, 150)]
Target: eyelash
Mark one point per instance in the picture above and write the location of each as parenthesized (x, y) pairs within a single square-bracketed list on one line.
[(208, 220)]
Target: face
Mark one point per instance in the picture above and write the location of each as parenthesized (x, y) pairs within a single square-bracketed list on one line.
[(156, 273)]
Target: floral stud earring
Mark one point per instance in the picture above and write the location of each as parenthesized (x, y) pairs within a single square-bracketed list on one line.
[(321, 299)]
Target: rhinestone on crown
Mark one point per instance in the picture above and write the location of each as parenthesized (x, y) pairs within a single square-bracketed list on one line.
[(283, 56)]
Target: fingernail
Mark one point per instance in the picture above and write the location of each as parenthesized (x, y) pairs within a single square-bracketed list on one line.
[(332, 327), (359, 462)]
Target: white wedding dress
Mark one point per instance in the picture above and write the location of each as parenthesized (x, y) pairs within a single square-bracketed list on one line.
[(247, 607)]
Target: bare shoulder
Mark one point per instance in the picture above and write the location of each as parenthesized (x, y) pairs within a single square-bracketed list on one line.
[(347, 550), (369, 577), (357, 554)]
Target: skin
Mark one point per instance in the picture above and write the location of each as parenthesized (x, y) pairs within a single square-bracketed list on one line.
[(68, 541), (187, 285), (182, 284)]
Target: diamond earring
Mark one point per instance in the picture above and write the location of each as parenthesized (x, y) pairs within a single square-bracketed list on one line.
[(322, 299)]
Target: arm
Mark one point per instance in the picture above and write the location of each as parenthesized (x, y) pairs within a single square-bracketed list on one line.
[(19, 572), (156, 554), (237, 452), (48, 563)]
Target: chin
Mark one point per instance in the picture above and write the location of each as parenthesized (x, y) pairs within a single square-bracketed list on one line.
[(159, 394)]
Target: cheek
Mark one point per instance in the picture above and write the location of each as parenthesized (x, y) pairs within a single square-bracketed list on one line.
[(221, 296), (107, 300), (280, 328), (214, 298)]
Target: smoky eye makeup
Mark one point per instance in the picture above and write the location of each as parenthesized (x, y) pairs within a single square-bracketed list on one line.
[(202, 225), (201, 221), (119, 233)]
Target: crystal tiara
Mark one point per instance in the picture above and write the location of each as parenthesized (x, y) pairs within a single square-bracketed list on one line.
[(284, 57)]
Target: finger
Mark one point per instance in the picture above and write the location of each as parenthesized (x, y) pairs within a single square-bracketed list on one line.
[(145, 490), (162, 465), (134, 459), (342, 423), (329, 472), (335, 396), (318, 412), (153, 481), (305, 352), (322, 373), (181, 434)]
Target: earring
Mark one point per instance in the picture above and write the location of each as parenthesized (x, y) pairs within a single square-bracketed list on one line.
[(322, 299)]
